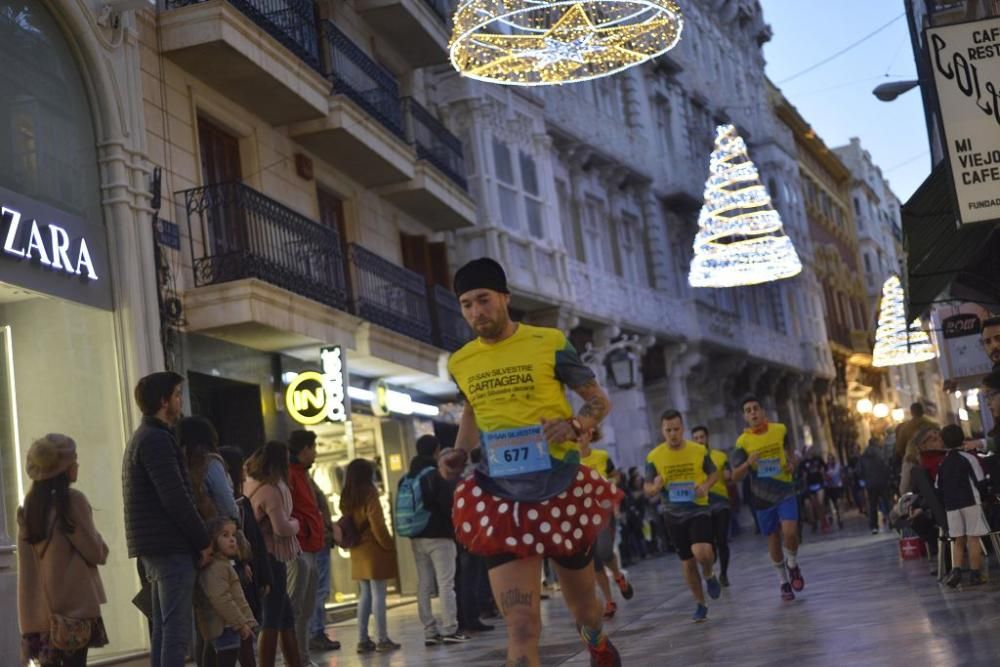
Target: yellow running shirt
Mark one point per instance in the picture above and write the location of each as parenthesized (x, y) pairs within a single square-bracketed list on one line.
[(681, 470), (721, 461), (518, 382), (598, 460), (770, 480)]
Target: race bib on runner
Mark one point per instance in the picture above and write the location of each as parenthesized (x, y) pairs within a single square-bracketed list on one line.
[(681, 492), (516, 451), (769, 467)]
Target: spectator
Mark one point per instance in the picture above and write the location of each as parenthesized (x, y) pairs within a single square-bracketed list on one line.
[(991, 341), (253, 567), (162, 525), (875, 473), (433, 546), (924, 439), (373, 560), (833, 482), (959, 476), (318, 641), (267, 490), (909, 428), (991, 394), (303, 578), (55, 525), (210, 481), (224, 618)]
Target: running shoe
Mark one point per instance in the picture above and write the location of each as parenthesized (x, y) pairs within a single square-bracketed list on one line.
[(714, 587), (954, 578), (795, 574), (433, 641), (456, 638), (367, 646), (724, 580), (786, 593), (604, 654), (386, 645), (610, 609), (624, 586), (700, 614)]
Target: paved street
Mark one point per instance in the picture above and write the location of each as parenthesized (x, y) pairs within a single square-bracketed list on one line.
[(861, 606)]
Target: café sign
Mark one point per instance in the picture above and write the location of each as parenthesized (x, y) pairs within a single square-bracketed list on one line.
[(965, 63)]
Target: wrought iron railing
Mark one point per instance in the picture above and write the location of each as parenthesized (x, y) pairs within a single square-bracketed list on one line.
[(390, 295), (434, 142), (450, 329), (291, 22), (244, 234), (354, 74)]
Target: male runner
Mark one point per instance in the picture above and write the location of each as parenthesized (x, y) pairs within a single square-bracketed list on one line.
[(604, 549), (765, 453), (718, 500), (683, 472), (529, 497), (812, 472)]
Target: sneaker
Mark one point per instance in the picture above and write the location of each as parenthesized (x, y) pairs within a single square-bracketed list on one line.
[(874, 531), (786, 593), (624, 586), (386, 645), (976, 579), (455, 638), (700, 614), (433, 641), (724, 580), (795, 574), (610, 609), (367, 646), (604, 654), (321, 643), (480, 627), (954, 578), (714, 588)]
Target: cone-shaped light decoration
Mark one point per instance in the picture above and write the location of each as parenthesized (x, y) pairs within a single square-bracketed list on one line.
[(540, 42), (740, 239), (895, 343)]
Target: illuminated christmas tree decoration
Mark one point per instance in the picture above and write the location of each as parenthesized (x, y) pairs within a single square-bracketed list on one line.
[(541, 42), (740, 239), (895, 344)]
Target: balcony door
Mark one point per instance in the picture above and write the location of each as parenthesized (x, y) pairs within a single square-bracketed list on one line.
[(221, 174), (331, 216)]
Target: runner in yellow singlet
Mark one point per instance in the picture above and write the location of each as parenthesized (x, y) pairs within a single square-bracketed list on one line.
[(718, 500)]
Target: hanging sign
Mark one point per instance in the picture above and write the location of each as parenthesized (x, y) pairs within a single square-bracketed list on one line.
[(965, 62), (313, 397)]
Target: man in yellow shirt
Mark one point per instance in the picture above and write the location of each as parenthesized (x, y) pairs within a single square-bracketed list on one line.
[(683, 473), (765, 453), (718, 500), (529, 498)]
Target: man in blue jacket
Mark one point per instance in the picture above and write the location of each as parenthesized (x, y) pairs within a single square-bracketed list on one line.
[(162, 526)]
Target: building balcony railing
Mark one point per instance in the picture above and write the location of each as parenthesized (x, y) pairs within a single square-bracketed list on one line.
[(434, 142), (354, 74), (237, 233), (390, 295), (291, 22), (451, 331)]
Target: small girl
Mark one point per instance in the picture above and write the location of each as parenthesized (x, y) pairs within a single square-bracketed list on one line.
[(223, 616)]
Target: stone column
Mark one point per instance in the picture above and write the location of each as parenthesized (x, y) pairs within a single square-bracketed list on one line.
[(657, 243)]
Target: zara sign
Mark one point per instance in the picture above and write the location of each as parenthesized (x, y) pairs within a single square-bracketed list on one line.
[(46, 250)]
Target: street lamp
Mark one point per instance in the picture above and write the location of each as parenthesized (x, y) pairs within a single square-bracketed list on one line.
[(880, 411), (621, 367), (865, 406), (887, 92), (898, 415)]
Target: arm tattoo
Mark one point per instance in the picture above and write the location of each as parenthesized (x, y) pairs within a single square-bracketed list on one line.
[(597, 405), (515, 597)]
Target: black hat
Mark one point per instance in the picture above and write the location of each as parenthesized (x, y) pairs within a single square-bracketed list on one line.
[(482, 273)]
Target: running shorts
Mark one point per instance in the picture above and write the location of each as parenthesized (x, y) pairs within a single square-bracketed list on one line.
[(968, 521), (770, 519), (695, 530)]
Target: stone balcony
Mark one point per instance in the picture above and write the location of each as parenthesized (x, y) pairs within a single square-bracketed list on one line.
[(418, 29)]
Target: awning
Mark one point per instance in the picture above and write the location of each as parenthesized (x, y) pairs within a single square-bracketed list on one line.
[(945, 261)]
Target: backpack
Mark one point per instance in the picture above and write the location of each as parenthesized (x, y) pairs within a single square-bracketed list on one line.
[(412, 516), (345, 533)]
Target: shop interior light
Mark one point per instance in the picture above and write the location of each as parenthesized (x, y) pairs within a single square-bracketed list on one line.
[(895, 343), (865, 406), (541, 42), (880, 411), (398, 402), (7, 341), (740, 239), (972, 399), (898, 415), (963, 414)]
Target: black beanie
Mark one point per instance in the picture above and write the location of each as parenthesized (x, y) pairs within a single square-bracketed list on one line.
[(482, 273)]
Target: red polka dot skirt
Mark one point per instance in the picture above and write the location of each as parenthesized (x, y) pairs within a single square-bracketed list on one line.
[(562, 526)]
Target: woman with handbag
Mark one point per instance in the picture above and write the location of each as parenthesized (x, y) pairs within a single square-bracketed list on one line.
[(266, 488), (59, 591)]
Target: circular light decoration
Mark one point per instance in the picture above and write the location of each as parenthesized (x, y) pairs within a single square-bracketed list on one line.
[(895, 343), (740, 239), (541, 42)]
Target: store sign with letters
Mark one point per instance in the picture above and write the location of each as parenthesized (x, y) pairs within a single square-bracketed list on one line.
[(963, 356), (46, 250), (965, 62), (313, 397)]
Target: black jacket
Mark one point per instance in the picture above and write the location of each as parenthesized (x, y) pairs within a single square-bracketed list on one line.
[(955, 481), (160, 514), (873, 469), (439, 495)]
